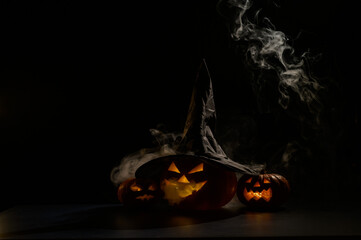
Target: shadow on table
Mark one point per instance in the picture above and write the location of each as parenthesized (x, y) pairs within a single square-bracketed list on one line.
[(140, 218), (118, 217)]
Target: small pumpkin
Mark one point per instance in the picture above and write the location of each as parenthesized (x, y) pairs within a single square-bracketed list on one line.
[(263, 191), (139, 192), (190, 182)]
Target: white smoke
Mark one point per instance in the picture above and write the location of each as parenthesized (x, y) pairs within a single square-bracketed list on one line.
[(129, 164), (268, 50)]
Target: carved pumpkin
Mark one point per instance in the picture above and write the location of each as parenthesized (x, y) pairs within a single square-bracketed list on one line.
[(189, 182), (139, 192), (263, 191)]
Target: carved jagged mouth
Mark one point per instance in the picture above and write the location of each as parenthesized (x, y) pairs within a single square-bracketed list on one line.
[(145, 197), (182, 190), (264, 194)]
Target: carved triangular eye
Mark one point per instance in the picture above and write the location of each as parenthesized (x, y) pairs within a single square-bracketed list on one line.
[(173, 168), (266, 181), (135, 188), (249, 180), (198, 168)]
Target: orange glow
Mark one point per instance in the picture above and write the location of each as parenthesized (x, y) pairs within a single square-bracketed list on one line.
[(176, 191), (266, 181), (249, 180), (121, 186), (265, 194), (173, 168), (248, 195), (145, 197), (199, 186), (135, 188), (198, 168), (256, 184), (183, 179), (152, 188)]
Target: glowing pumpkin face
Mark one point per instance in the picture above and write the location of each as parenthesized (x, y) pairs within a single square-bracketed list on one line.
[(188, 182), (263, 191), (139, 192)]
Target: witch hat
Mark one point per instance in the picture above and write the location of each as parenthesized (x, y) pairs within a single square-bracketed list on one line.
[(198, 139)]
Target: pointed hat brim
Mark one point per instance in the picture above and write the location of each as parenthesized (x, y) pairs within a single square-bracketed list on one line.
[(154, 167)]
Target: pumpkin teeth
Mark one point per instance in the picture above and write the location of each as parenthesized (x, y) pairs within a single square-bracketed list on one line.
[(176, 191), (145, 197), (198, 186), (264, 194), (248, 194), (267, 194)]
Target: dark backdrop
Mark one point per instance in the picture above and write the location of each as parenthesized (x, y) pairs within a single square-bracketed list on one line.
[(82, 82)]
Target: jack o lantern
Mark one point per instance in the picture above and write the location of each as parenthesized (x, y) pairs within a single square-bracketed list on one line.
[(139, 192), (190, 183), (263, 191), (206, 178)]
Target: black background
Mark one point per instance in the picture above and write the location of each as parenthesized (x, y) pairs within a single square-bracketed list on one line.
[(82, 82)]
